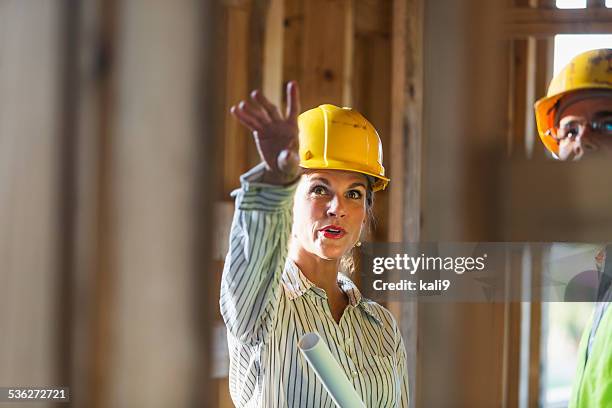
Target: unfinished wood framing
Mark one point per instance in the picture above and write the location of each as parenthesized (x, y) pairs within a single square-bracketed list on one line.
[(535, 330), (293, 24), (546, 22), (531, 31), (94, 247), (272, 76), (406, 167), (30, 202), (373, 16), (236, 138), (327, 50), (596, 3)]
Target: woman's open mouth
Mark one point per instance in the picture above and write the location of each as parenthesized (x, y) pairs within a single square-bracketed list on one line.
[(333, 232)]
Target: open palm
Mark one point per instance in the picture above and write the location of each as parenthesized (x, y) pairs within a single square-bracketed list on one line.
[(276, 136)]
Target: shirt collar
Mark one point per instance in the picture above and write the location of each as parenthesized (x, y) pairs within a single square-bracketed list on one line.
[(295, 284)]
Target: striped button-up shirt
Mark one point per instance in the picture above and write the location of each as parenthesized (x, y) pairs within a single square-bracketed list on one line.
[(268, 305)]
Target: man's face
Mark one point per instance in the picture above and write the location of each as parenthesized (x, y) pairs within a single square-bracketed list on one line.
[(575, 134)]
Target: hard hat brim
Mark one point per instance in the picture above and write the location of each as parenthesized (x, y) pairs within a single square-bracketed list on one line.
[(380, 184)]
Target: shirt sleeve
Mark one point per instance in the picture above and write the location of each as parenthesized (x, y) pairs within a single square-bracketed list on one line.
[(402, 370), (259, 235)]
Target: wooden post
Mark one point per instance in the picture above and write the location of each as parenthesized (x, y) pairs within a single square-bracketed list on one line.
[(293, 25), (406, 165), (596, 3), (272, 81), (327, 52), (235, 137), (156, 138), (30, 51)]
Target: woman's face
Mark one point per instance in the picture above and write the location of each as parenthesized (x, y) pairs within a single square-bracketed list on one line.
[(329, 211)]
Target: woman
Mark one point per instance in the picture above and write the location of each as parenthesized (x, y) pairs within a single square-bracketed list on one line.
[(297, 215)]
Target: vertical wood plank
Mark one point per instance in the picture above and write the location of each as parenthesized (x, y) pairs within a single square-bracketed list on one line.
[(544, 59), (327, 52), (30, 146), (398, 103), (413, 126), (535, 332), (67, 174), (156, 139), (272, 81), (104, 275), (235, 136), (204, 297), (520, 91), (293, 24), (596, 3), (413, 119)]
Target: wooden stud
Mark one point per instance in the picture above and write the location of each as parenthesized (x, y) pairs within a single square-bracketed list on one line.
[(236, 138), (535, 331), (373, 16), (272, 80), (293, 24), (523, 22), (596, 3), (327, 52)]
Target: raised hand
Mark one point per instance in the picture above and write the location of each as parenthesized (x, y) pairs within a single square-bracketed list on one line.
[(276, 136)]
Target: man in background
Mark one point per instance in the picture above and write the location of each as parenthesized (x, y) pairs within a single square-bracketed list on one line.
[(574, 121)]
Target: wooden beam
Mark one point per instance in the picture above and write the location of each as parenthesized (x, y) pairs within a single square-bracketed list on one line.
[(518, 98), (404, 196), (524, 22), (398, 103), (292, 42), (596, 3), (372, 16), (235, 139), (205, 297), (104, 255), (157, 127), (272, 80), (535, 331), (327, 52), (545, 49), (413, 135), (413, 119)]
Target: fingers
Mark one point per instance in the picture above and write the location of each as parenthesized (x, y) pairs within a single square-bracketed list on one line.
[(245, 118), (266, 105), (255, 110), (293, 100)]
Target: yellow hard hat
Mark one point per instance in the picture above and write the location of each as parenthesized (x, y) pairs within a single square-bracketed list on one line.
[(341, 139), (589, 70)]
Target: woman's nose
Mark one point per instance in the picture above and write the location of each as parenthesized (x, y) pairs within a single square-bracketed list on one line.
[(336, 208)]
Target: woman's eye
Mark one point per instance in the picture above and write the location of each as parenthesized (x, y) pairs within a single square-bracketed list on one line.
[(354, 194), (606, 126), (318, 190)]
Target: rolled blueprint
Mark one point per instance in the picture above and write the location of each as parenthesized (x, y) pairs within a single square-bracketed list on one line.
[(329, 372)]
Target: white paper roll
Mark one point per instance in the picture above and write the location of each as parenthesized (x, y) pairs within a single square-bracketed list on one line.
[(329, 372)]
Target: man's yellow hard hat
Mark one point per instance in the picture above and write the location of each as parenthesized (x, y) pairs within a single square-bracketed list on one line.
[(589, 70), (341, 139)]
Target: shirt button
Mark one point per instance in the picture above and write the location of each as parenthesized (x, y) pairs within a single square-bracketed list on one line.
[(354, 374)]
